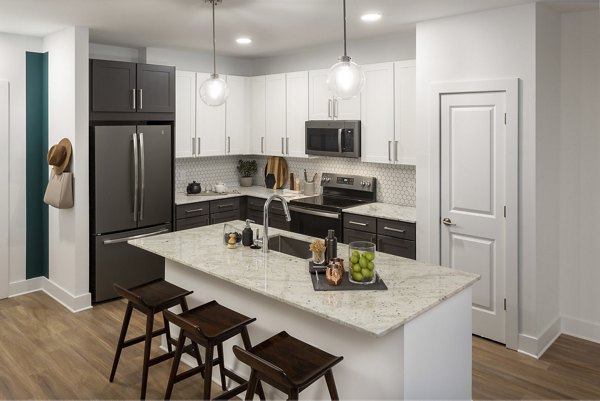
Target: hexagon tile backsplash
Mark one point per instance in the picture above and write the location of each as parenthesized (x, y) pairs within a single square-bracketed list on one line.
[(395, 183)]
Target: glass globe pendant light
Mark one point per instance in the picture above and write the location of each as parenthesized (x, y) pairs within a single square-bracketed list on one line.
[(345, 79), (214, 91)]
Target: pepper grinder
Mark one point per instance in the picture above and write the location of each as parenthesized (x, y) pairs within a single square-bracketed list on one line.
[(331, 245)]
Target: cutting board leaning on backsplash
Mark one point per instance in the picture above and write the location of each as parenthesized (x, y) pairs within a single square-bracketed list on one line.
[(276, 171)]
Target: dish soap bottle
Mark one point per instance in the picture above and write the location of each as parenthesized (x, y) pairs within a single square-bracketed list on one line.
[(247, 235), (331, 245)]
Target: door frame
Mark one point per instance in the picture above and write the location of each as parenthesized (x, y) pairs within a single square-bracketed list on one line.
[(511, 87)]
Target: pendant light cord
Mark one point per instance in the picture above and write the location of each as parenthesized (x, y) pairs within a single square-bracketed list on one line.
[(345, 54), (214, 41)]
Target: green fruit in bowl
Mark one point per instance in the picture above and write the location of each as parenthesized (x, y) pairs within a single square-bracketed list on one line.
[(367, 274), (356, 268), (363, 262), (354, 259), (371, 265), (369, 255), (356, 276), (355, 253)]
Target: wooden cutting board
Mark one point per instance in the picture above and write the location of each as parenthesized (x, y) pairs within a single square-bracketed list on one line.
[(278, 167)]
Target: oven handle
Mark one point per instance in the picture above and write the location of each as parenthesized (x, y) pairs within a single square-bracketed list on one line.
[(330, 215)]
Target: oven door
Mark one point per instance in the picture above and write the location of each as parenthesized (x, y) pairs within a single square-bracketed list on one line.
[(315, 223)]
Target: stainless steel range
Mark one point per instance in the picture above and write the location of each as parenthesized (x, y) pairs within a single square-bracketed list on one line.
[(316, 214)]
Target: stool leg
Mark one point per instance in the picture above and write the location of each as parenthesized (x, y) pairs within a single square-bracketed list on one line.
[(175, 366), (221, 365), (147, 345), (251, 385), (167, 332), (293, 394), (208, 362), (184, 308), (331, 385), (126, 319), (248, 347)]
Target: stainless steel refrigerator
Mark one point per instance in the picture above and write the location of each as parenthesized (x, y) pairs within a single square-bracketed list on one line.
[(131, 197)]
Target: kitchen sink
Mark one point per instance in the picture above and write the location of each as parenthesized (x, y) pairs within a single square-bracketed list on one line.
[(290, 246)]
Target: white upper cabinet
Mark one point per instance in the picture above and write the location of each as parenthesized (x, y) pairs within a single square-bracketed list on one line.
[(275, 111), (210, 124), (377, 113), (257, 115), (297, 113), (185, 114), (405, 147), (237, 113), (322, 105)]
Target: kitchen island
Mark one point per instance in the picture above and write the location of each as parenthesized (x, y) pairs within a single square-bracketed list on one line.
[(412, 341)]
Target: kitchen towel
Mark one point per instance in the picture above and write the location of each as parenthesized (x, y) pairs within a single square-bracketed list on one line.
[(59, 192)]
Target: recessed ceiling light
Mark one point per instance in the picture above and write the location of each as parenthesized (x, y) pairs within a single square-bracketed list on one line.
[(244, 41), (371, 17)]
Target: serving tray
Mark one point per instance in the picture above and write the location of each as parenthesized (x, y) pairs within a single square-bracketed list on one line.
[(321, 284)]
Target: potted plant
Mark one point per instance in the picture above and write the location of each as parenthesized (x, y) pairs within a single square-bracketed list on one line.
[(247, 170)]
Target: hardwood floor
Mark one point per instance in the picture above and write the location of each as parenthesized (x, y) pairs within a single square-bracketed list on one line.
[(47, 352)]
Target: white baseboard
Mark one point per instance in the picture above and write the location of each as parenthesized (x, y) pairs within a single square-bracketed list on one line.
[(580, 328), (536, 346), (71, 302)]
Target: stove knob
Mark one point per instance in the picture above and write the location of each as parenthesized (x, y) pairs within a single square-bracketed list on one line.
[(328, 179), (368, 184), (362, 183), (322, 179)]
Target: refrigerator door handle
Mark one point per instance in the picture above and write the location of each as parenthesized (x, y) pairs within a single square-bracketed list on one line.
[(136, 183), (121, 240), (142, 175)]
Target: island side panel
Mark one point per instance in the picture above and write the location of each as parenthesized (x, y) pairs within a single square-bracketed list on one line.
[(437, 351), (372, 367)]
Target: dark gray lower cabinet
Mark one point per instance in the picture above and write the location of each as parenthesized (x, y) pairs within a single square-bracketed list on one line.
[(397, 246), (223, 217), (354, 235), (255, 210), (193, 222)]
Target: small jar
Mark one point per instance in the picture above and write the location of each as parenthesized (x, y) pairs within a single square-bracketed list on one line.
[(318, 257), (361, 262)]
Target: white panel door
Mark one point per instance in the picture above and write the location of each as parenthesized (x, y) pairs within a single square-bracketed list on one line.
[(4, 195), (319, 103), (473, 199), (377, 113), (275, 111), (185, 114), (237, 116), (347, 109), (405, 101), (297, 113), (210, 124), (257, 115)]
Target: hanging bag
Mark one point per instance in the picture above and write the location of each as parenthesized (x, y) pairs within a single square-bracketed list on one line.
[(59, 192)]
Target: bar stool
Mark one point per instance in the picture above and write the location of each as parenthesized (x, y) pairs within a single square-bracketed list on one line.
[(150, 298), (287, 364), (210, 325)]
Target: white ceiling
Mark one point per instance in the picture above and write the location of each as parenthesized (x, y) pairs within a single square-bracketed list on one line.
[(275, 26)]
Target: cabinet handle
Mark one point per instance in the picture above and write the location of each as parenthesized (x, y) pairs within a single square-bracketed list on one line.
[(358, 224), (287, 146), (193, 211), (141, 99), (193, 146), (262, 144), (228, 144), (282, 151), (335, 108), (226, 205), (396, 151), (329, 108), (396, 230), (133, 99), (198, 147), (390, 150)]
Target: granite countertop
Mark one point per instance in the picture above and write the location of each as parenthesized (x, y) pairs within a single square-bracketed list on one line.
[(386, 211), (182, 198), (413, 287)]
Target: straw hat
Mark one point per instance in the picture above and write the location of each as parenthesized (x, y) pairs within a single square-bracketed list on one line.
[(59, 155)]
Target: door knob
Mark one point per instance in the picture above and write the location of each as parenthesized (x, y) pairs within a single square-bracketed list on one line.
[(447, 222)]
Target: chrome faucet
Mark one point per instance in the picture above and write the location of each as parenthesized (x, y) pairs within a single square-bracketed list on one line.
[(265, 240)]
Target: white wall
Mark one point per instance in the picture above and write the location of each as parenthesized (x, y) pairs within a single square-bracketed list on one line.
[(68, 232), (4, 180), (12, 69), (116, 53), (487, 45), (579, 175), (547, 171), (391, 47)]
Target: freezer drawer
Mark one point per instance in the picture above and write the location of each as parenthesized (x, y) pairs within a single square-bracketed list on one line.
[(115, 261)]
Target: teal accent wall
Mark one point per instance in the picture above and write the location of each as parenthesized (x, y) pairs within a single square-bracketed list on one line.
[(36, 115)]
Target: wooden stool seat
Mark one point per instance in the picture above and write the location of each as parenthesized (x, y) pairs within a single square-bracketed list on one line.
[(150, 298), (209, 325), (288, 364)]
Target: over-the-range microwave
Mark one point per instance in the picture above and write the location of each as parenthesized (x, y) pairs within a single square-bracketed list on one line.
[(339, 138)]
